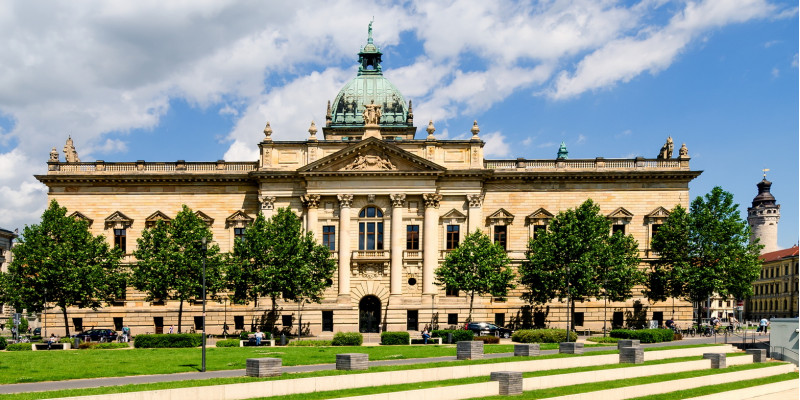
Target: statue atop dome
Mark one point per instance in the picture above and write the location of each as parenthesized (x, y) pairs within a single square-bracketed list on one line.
[(372, 114)]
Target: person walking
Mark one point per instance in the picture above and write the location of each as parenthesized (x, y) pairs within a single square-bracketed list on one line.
[(762, 326)]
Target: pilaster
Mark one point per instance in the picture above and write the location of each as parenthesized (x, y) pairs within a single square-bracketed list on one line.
[(311, 202), (430, 248), (396, 270), (345, 202), (475, 214)]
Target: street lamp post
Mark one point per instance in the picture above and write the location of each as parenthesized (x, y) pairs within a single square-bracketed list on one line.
[(203, 240)]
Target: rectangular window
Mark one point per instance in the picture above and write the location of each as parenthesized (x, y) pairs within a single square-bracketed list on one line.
[(654, 229), (198, 323), (118, 323), (452, 237), (500, 319), (158, 322), (327, 321), (578, 318), (286, 320), (412, 320), (720, 303), (658, 316), (238, 233), (617, 320), (329, 237), (370, 235), (538, 229), (238, 322), (78, 324), (119, 240), (412, 237), (728, 303), (500, 236), (618, 228), (451, 292), (379, 244), (452, 319)]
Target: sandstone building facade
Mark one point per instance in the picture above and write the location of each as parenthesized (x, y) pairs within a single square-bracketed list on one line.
[(389, 205)]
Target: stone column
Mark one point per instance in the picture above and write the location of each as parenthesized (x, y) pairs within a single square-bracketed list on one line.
[(396, 279), (475, 213), (311, 201), (345, 201), (430, 245), (267, 205)]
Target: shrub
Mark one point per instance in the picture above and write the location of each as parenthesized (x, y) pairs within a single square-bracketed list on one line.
[(168, 340), (106, 346), (66, 340), (542, 336), (603, 339), (310, 343), (347, 339), (459, 335), (246, 335), (3, 343), (228, 343), (391, 338), (645, 335), (19, 347), (488, 339)]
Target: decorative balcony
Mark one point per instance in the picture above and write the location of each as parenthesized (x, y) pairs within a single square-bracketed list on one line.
[(412, 254), (371, 255)]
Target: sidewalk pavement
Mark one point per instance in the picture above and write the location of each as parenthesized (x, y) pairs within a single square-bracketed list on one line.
[(140, 379)]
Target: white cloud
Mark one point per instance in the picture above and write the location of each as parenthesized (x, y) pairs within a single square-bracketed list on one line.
[(776, 72), (496, 145), (527, 141), (581, 139)]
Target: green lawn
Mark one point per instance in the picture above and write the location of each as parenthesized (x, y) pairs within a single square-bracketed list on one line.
[(223, 381)]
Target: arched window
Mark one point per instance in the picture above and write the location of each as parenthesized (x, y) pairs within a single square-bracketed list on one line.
[(370, 228)]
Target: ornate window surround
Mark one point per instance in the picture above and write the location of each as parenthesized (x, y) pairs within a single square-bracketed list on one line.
[(538, 218), (452, 217)]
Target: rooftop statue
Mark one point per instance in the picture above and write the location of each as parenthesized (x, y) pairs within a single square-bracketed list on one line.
[(666, 150), (54, 155), (70, 154)]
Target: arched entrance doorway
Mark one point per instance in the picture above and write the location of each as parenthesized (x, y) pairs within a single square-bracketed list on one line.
[(369, 314)]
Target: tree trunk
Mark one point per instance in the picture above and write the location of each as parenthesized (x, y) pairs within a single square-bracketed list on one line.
[(605, 315), (66, 321), (471, 300), (180, 316)]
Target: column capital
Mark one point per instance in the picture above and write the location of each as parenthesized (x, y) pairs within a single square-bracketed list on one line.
[(475, 200), (310, 200), (432, 200), (267, 202), (345, 200), (398, 199)]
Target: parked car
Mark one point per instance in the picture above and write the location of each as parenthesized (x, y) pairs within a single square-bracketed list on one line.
[(487, 329), (37, 331), (98, 335)]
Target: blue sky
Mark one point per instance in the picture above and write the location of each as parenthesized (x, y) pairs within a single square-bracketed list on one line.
[(198, 80)]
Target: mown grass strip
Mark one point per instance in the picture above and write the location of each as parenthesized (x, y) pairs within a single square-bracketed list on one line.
[(225, 381), (711, 389)]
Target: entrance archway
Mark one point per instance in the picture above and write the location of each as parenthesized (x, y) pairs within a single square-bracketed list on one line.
[(369, 314)]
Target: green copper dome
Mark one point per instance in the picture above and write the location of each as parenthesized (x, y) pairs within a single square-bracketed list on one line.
[(368, 87)]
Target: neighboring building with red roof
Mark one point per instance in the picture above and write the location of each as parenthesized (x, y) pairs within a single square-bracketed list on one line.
[(776, 289)]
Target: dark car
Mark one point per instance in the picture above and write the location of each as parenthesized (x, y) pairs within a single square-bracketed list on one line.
[(487, 329), (37, 331), (98, 335)]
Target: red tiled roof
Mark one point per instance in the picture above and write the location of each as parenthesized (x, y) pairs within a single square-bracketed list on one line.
[(780, 254)]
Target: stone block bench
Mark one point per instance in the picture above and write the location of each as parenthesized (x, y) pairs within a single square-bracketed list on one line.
[(433, 340), (351, 361), (265, 343), (469, 350), (54, 346), (263, 367)]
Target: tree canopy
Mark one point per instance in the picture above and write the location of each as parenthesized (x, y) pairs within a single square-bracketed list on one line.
[(705, 251), (170, 260), (577, 257), (276, 259), (478, 267), (61, 262)]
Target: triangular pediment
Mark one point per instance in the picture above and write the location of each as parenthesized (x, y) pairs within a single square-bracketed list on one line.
[(155, 217), (372, 155), (454, 215), (659, 212), (501, 216), (620, 213), (540, 214), (118, 220), (239, 219), (80, 216), (208, 220)]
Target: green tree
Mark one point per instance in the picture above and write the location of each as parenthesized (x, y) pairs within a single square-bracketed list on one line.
[(276, 259), (170, 260), (61, 261), (577, 258), (478, 267), (706, 251)]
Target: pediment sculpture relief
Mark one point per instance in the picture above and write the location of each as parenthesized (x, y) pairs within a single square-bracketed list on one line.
[(371, 161)]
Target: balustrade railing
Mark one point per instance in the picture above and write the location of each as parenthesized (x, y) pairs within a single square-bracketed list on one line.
[(598, 163), (154, 167)]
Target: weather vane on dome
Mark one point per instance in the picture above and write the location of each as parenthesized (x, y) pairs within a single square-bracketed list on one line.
[(369, 31), (765, 170)]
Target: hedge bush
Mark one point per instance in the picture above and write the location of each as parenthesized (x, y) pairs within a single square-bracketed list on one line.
[(542, 336), (645, 335), (172, 340), (101, 346), (392, 338), (3, 343), (245, 335), (459, 335), (602, 339), (488, 339), (19, 347), (228, 343), (347, 339), (310, 343)]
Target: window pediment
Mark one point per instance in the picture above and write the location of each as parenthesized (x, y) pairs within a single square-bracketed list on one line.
[(500, 217), (620, 214), (118, 220), (539, 217), (151, 221), (658, 215), (81, 216), (239, 219), (208, 220), (453, 217)]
